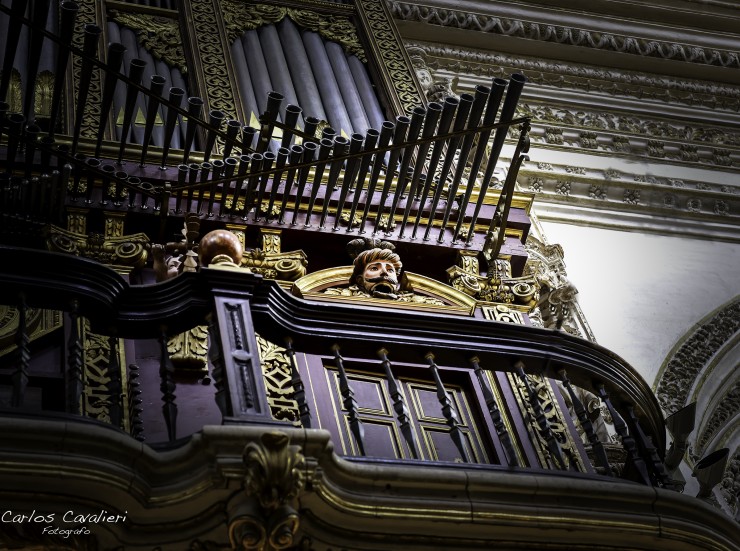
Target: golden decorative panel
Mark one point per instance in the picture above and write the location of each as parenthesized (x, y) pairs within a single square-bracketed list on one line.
[(394, 64), (276, 370), (90, 11), (159, 35)]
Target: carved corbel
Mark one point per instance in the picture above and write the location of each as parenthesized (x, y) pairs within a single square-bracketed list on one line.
[(269, 261), (264, 518)]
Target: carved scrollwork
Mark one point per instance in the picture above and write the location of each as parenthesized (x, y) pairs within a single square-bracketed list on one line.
[(127, 250), (276, 369), (159, 35), (265, 518), (240, 17)]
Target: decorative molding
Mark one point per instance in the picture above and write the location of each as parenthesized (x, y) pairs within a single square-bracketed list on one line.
[(684, 364), (558, 34), (391, 56), (591, 78), (728, 405), (159, 35), (240, 17)]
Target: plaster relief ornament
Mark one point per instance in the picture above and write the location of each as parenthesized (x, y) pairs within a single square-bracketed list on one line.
[(378, 274)]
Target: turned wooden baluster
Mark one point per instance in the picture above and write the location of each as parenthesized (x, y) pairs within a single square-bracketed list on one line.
[(402, 412), (349, 402), (496, 417), (167, 386), (447, 410)]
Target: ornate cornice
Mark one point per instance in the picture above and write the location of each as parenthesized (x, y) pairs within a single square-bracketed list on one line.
[(727, 407), (559, 34), (590, 78)]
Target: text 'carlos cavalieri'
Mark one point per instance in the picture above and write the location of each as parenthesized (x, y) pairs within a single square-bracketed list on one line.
[(66, 519)]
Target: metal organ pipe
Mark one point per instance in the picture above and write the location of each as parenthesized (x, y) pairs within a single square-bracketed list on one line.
[(331, 97), (347, 88), (68, 15), (300, 69), (195, 107), (114, 59), (136, 70), (277, 66), (39, 16), (258, 72), (17, 10), (175, 99), (370, 103), (246, 90), (156, 87)]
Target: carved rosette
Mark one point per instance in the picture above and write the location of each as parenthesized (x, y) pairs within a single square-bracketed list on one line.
[(274, 479)]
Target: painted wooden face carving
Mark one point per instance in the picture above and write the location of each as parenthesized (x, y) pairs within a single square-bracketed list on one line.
[(379, 276)]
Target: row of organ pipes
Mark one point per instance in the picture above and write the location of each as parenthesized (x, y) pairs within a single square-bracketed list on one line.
[(420, 170)]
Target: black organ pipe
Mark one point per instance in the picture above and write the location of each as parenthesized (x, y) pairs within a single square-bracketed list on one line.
[(516, 84), (311, 124), (254, 167), (246, 90), (229, 167), (248, 133), (17, 11), (92, 165), (282, 159), (268, 158), (292, 113), (39, 16), (300, 69), (90, 52), (434, 110), (331, 97), (175, 99), (461, 117), (325, 146), (296, 153), (417, 118), (348, 89), (4, 108), (205, 170), (494, 100), (215, 120), (232, 130), (68, 14), (135, 72), (355, 146), (243, 166), (156, 87), (195, 107), (15, 122), (267, 120), (309, 153), (371, 140), (341, 146), (476, 110), (399, 137), (216, 168), (114, 59), (134, 51), (46, 147), (178, 137), (277, 65), (448, 111), (182, 174), (366, 91), (32, 134), (386, 131), (134, 182)]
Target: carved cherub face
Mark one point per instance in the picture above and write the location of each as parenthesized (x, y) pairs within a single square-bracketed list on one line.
[(379, 276)]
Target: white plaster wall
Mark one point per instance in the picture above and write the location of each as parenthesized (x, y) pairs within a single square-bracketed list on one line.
[(641, 292)]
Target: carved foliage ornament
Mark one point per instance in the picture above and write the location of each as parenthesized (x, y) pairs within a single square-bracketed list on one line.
[(159, 35), (274, 478), (240, 17)]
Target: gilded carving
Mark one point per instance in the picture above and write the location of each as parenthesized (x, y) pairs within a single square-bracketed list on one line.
[(38, 323), (276, 369), (159, 35), (554, 416), (89, 11), (502, 313), (240, 17), (44, 93), (189, 350), (97, 398), (392, 58), (498, 286), (125, 250)]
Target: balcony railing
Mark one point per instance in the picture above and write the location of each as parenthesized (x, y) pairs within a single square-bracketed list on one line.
[(404, 353)]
